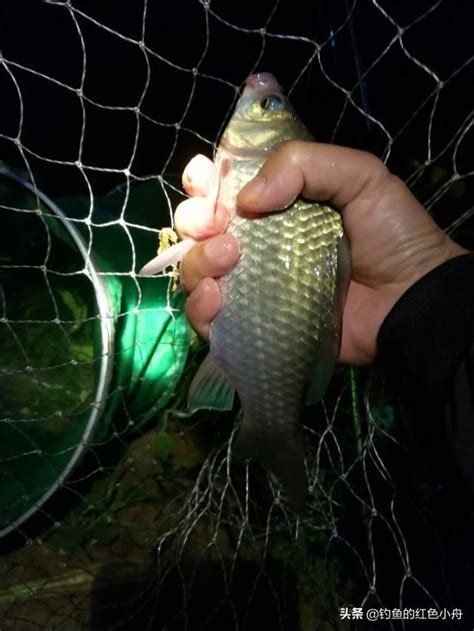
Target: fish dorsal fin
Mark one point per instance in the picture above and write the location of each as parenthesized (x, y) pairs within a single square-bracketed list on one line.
[(210, 389), (328, 350)]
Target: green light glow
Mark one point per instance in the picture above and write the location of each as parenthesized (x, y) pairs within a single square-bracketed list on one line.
[(53, 345)]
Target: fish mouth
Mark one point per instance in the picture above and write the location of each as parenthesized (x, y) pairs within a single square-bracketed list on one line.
[(262, 83)]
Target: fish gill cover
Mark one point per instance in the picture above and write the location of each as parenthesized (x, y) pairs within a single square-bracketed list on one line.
[(152, 526)]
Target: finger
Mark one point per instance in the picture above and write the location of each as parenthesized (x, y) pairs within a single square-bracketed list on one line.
[(318, 171), (197, 217), (199, 176), (203, 305), (213, 257)]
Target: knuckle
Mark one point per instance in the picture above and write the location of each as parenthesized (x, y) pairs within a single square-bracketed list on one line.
[(185, 276), (378, 169), (290, 150), (188, 309), (190, 314)]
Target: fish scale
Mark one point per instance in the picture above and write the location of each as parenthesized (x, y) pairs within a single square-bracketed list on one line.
[(284, 314)]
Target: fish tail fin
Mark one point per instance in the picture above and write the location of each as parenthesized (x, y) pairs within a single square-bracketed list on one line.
[(283, 457)]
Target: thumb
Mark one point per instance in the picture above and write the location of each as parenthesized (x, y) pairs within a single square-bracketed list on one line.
[(317, 171)]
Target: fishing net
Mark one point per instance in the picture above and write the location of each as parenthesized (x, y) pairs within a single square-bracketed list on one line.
[(117, 511)]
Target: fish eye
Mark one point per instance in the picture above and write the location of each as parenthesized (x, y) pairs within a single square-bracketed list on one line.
[(272, 102)]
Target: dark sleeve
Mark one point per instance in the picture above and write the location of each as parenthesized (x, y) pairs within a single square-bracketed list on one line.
[(426, 349)]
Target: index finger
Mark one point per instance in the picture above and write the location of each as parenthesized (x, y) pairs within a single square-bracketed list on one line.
[(198, 218)]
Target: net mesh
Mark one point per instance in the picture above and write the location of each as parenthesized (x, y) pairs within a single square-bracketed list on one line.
[(137, 517)]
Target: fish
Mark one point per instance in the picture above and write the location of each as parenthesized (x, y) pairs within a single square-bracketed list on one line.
[(276, 339)]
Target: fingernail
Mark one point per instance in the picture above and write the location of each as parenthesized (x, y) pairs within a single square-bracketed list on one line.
[(249, 195), (218, 247)]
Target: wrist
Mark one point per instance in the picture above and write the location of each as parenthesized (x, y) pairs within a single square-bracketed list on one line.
[(430, 328), (427, 259)]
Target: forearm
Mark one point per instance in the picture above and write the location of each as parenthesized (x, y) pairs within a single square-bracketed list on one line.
[(426, 348)]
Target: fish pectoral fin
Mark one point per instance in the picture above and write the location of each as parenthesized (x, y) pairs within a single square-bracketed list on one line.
[(283, 457), (210, 389)]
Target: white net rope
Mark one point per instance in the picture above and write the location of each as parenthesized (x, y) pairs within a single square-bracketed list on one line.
[(121, 512)]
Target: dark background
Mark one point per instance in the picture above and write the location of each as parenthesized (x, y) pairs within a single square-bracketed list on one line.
[(147, 110)]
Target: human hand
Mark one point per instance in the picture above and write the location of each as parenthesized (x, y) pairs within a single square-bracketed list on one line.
[(394, 241)]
